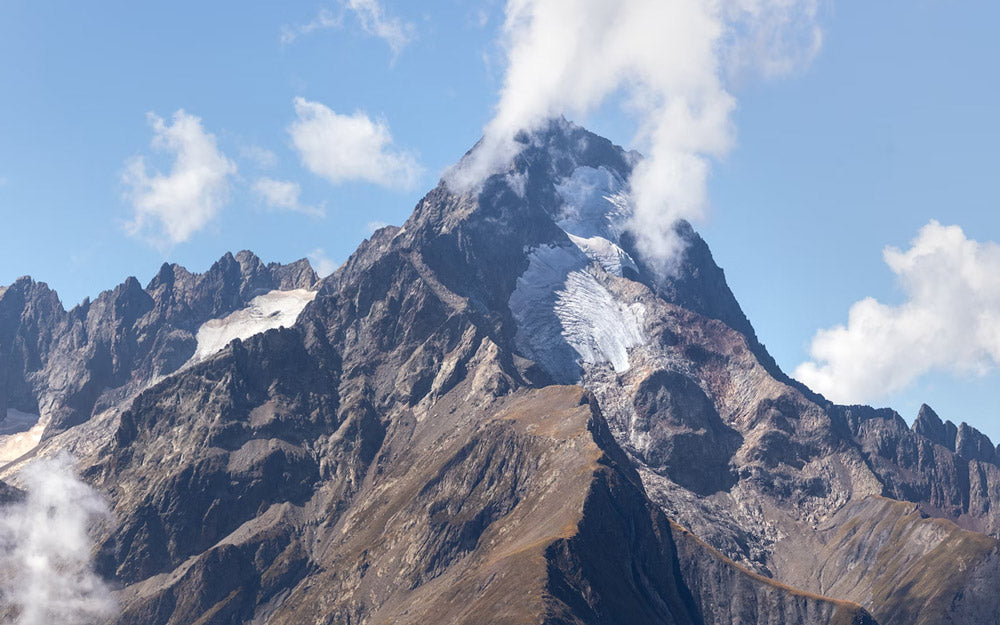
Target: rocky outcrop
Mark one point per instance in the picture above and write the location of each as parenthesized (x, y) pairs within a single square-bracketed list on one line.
[(679, 433), (972, 444), (30, 317), (929, 425)]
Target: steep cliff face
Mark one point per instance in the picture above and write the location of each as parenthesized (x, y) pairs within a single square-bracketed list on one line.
[(498, 412)]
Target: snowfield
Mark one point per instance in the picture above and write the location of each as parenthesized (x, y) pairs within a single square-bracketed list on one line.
[(19, 433), (265, 312)]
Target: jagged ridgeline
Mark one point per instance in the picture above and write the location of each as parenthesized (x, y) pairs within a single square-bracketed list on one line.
[(497, 413)]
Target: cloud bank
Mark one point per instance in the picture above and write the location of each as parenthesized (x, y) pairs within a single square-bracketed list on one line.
[(949, 321), (45, 569), (170, 208), (342, 148), (671, 60)]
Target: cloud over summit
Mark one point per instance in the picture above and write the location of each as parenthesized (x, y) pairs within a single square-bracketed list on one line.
[(671, 60)]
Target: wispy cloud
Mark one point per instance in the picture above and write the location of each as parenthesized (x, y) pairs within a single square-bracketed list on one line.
[(261, 158), (671, 63), (284, 195), (376, 21), (321, 263), (373, 226), (370, 14), (949, 321), (341, 148), (45, 568), (170, 208), (325, 19)]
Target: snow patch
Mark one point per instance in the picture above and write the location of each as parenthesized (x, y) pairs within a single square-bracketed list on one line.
[(265, 312), (20, 433)]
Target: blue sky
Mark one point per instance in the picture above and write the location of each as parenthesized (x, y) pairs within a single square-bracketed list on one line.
[(892, 124)]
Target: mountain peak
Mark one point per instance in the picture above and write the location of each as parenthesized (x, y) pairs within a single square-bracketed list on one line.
[(930, 425)]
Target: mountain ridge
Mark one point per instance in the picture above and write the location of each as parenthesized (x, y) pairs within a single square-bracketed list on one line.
[(406, 435)]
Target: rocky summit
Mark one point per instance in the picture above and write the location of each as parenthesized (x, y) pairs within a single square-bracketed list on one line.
[(500, 412)]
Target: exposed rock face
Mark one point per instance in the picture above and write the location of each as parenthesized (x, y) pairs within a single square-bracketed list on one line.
[(498, 413), (681, 435)]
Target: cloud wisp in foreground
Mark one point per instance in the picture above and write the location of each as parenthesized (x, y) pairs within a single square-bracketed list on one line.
[(672, 61), (949, 321), (344, 148), (46, 574), (168, 208)]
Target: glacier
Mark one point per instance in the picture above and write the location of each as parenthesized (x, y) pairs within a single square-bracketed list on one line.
[(565, 316)]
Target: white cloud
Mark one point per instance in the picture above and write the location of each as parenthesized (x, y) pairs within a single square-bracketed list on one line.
[(350, 147), (45, 568), (771, 37), (950, 321), (324, 19), (284, 195), (321, 263), (671, 60), (374, 19), (170, 208)]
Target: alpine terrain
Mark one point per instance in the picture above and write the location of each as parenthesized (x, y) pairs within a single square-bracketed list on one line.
[(500, 413)]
